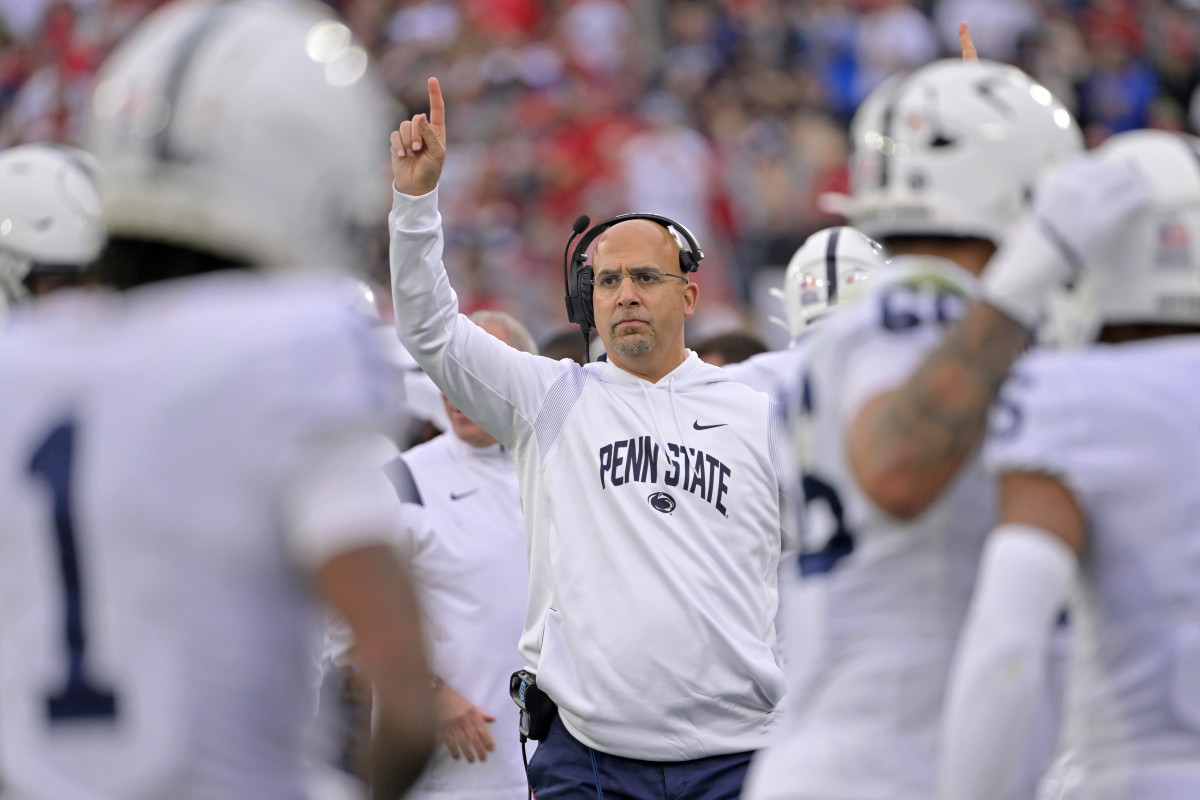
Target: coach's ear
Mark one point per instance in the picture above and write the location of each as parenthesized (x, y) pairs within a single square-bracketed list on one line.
[(691, 295)]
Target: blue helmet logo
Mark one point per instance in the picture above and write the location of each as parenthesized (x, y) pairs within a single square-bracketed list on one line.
[(661, 501)]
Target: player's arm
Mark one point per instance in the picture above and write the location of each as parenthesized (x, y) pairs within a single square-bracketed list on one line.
[(906, 445), (340, 518), (1025, 576), (491, 382), (371, 590)]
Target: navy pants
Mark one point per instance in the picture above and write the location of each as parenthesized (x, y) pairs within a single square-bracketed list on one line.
[(563, 767)]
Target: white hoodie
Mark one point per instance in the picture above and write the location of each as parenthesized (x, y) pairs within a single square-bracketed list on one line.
[(652, 515)]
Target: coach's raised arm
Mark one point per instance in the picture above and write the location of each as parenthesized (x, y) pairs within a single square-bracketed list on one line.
[(650, 494)]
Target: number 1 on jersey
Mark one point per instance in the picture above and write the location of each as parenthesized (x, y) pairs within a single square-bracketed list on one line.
[(80, 698)]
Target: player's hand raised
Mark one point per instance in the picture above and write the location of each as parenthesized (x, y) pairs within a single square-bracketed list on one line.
[(969, 54), (1079, 207), (419, 147), (1087, 199)]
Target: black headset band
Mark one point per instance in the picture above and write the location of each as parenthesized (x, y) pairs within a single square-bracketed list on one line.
[(589, 236)]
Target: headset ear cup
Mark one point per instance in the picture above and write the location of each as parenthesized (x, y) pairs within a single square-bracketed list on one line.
[(585, 295), (578, 290)]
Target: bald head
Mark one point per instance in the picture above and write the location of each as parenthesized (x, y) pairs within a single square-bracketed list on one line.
[(636, 243), (506, 328)]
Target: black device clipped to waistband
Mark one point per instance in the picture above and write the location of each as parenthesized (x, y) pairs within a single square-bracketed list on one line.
[(537, 711)]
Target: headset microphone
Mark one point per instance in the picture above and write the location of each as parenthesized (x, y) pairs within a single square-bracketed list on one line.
[(581, 225), (577, 312), (574, 309)]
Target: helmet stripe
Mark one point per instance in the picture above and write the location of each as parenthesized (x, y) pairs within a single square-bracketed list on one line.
[(186, 53), (886, 122), (831, 270), (987, 90)]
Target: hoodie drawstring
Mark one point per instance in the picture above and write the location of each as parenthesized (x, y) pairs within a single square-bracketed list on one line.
[(674, 412)]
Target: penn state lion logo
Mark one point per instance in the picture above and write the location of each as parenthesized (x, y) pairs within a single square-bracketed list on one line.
[(661, 501)]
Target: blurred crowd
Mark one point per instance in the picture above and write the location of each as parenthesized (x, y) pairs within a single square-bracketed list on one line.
[(727, 115)]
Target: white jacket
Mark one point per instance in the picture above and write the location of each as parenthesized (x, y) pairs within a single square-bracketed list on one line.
[(652, 512)]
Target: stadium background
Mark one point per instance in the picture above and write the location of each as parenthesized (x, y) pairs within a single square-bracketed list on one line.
[(728, 115)]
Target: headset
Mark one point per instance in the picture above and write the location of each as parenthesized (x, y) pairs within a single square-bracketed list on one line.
[(578, 272)]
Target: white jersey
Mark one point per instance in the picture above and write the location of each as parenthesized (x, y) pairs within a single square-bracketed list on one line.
[(1120, 427), (776, 372), (887, 596), (780, 373), (464, 536), (157, 623), (653, 517)]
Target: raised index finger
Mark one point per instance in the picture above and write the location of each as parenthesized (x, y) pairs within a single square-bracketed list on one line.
[(437, 108)]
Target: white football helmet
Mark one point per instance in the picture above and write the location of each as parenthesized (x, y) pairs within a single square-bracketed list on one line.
[(251, 129), (831, 265), (1151, 273), (953, 149), (49, 214)]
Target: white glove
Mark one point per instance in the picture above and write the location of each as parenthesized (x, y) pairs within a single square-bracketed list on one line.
[(1079, 205)]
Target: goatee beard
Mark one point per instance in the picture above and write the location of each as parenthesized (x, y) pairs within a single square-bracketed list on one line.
[(633, 346)]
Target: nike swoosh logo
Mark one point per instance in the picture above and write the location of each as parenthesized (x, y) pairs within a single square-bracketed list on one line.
[(461, 495), (700, 427)]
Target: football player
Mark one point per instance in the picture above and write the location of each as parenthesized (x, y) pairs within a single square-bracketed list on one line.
[(832, 267), (1097, 451), (945, 161), (188, 466)]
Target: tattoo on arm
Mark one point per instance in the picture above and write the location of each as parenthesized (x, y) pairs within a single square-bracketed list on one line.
[(934, 420)]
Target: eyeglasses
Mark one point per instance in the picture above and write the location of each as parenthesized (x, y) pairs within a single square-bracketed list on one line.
[(649, 279)]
